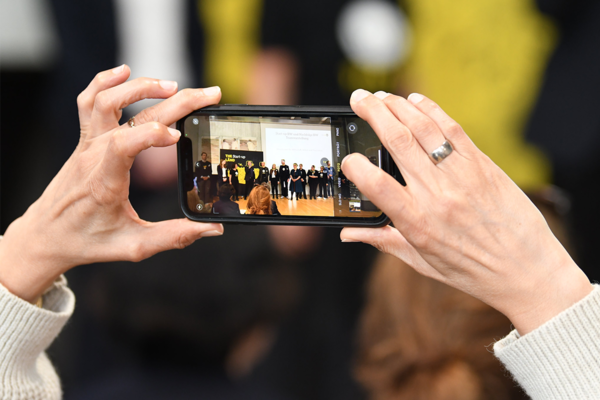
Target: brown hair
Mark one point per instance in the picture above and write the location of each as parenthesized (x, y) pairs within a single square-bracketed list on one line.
[(259, 201), (421, 339)]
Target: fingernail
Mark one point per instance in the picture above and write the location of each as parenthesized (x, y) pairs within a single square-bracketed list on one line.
[(349, 241), (381, 94), (168, 85), (174, 132), (211, 233), (118, 69), (358, 95), (415, 98), (212, 91)]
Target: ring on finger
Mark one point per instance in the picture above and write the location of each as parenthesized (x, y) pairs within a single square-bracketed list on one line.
[(131, 122), (439, 154)]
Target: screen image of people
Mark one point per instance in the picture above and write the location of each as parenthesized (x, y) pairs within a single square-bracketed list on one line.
[(290, 164)]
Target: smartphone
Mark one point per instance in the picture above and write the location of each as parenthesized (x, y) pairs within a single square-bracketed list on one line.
[(246, 164)]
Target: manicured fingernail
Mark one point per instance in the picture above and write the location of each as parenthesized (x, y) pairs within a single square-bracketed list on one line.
[(174, 132), (212, 91), (358, 95), (381, 94), (349, 241), (168, 85), (415, 98), (211, 233), (118, 69)]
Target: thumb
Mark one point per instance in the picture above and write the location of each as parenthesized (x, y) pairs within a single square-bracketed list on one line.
[(156, 237), (389, 240)]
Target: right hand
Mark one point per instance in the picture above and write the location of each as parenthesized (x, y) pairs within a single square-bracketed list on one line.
[(462, 221)]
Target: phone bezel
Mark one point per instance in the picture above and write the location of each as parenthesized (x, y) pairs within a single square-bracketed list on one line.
[(277, 111)]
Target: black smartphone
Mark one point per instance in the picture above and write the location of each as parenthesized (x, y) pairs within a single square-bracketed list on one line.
[(276, 165)]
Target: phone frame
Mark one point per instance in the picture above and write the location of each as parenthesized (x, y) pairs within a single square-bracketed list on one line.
[(387, 165)]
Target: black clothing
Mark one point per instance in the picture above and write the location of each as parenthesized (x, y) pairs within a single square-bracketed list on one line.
[(313, 181), (203, 169), (235, 182), (295, 186), (303, 181), (263, 175), (344, 185), (220, 175), (226, 206), (274, 178), (274, 209), (322, 184), (249, 181), (284, 175)]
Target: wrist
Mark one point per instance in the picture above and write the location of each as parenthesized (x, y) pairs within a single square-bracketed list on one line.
[(28, 266), (554, 295)]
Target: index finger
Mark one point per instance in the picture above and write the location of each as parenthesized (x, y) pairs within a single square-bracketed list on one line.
[(179, 105), (394, 135)]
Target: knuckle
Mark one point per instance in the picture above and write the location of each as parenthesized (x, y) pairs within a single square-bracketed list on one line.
[(117, 142), (137, 252), (398, 138), (83, 100), (103, 102), (182, 241), (147, 115), (453, 129)]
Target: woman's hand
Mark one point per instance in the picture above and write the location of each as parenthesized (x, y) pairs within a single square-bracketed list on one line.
[(84, 215), (462, 221)]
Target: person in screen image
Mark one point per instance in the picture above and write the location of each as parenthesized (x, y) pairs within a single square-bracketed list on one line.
[(303, 181), (249, 178), (313, 182), (345, 185), (322, 183), (235, 145), (263, 173), (225, 205), (259, 201), (330, 176), (296, 184), (234, 180), (222, 174), (203, 173), (225, 145), (274, 179), (284, 177)]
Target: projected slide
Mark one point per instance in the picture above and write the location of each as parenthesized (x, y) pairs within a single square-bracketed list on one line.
[(307, 145)]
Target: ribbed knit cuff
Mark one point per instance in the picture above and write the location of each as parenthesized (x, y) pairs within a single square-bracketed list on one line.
[(26, 331), (561, 358)]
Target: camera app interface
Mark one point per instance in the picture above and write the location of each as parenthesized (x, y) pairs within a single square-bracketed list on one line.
[(284, 166)]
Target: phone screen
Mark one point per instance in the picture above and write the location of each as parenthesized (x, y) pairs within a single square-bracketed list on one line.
[(282, 166)]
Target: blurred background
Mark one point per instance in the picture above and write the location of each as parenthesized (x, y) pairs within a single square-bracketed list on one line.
[(291, 313)]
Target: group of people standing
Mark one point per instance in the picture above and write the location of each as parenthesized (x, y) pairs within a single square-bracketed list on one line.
[(293, 181)]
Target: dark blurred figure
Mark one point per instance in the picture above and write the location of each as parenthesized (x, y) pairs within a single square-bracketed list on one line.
[(225, 205), (29, 49), (317, 52), (190, 329), (566, 119)]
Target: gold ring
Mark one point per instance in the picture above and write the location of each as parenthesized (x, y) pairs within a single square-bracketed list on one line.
[(131, 122)]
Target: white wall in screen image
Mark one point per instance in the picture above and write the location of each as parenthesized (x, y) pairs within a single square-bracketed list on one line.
[(306, 145)]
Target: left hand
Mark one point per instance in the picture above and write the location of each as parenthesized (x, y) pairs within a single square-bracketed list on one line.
[(84, 216)]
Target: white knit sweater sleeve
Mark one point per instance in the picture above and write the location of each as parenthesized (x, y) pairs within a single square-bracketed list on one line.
[(561, 358), (26, 331)]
